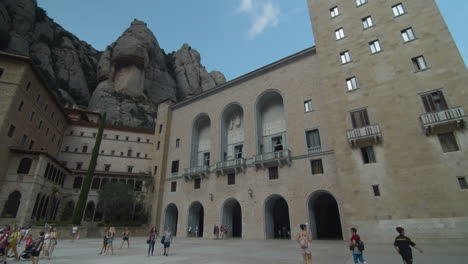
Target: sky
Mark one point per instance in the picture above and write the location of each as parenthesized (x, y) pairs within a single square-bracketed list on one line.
[(232, 36)]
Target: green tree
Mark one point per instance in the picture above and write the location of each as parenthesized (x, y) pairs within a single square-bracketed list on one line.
[(80, 205), (117, 201)]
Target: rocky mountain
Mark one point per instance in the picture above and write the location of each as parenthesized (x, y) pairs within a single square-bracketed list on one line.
[(127, 80)]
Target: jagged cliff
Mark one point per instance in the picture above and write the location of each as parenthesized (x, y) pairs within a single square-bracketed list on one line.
[(127, 80)]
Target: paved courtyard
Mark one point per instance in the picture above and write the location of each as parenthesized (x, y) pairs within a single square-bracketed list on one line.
[(195, 251)]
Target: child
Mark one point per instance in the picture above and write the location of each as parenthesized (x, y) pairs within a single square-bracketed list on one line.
[(29, 240), (104, 245)]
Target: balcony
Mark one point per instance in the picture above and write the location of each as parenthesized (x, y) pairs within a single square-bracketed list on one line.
[(197, 172), (272, 159), (314, 150), (364, 135), (450, 117), (237, 165)]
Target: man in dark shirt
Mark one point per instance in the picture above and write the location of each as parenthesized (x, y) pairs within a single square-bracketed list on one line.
[(402, 245)]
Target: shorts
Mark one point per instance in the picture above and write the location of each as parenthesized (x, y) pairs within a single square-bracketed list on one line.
[(35, 253), (407, 257), (125, 238), (306, 251), (167, 244), (2, 251), (110, 241), (358, 257)]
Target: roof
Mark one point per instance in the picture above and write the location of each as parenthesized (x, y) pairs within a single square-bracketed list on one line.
[(35, 152)]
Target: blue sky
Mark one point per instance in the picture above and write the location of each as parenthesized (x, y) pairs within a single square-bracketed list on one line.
[(233, 36)]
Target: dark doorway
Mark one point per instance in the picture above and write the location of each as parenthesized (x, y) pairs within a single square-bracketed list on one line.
[(196, 220), (325, 222), (171, 218), (12, 205), (277, 218), (232, 217)]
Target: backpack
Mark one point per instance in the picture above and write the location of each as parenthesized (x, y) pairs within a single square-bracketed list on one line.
[(163, 238), (360, 245), (303, 242)]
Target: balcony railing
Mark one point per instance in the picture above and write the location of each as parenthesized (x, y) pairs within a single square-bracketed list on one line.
[(277, 157), (200, 171), (229, 165), (364, 133), (454, 115), (313, 150)]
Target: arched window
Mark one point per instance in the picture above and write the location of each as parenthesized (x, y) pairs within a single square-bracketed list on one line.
[(89, 212), (77, 182), (104, 182), (24, 166), (12, 204), (36, 204), (201, 141), (96, 183)]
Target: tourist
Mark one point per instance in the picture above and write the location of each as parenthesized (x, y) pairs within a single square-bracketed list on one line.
[(4, 238), (45, 252), (110, 242), (104, 244), (353, 246), (152, 240), (217, 232), (36, 250), (226, 233), (75, 235), (52, 241), (304, 238), (190, 231), (125, 237), (221, 232), (15, 237), (23, 235), (167, 241), (402, 245), (214, 231), (196, 231)]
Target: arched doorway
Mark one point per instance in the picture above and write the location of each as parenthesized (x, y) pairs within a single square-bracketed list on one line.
[(12, 205), (196, 219), (171, 217), (277, 217), (324, 216), (232, 217)]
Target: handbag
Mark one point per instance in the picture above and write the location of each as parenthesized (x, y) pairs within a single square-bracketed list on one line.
[(148, 241), (163, 238)]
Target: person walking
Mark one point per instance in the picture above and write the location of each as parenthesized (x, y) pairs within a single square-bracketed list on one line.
[(45, 247), (153, 234), (354, 246), (226, 232), (402, 245), (304, 238), (4, 238), (125, 238), (110, 242), (52, 241), (104, 244), (221, 232), (23, 235), (75, 235), (214, 231), (167, 241), (36, 250), (15, 237)]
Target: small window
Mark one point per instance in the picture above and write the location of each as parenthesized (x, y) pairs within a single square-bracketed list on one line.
[(67, 148), (11, 131), (160, 128), (102, 152), (360, 118), (316, 166), (85, 149), (367, 22), (31, 144), (351, 83), (127, 138), (173, 186), (360, 2), (407, 34), (177, 143), (206, 159), (175, 167), (23, 140), (1, 72), (45, 107), (138, 186), (38, 97), (40, 125), (238, 151), (81, 133), (448, 142), (20, 106), (129, 153), (28, 86), (146, 156), (95, 184), (277, 143), (313, 141), (419, 63), (107, 167), (71, 133), (368, 155), (231, 179), (79, 165), (376, 190), (398, 10), (147, 140), (308, 106), (24, 166), (197, 183), (345, 57), (31, 117), (76, 150), (375, 46), (273, 173), (434, 102), (334, 11), (138, 139), (121, 153), (112, 152), (117, 137), (94, 135), (138, 154), (105, 135), (129, 168), (339, 33), (462, 182), (77, 183), (158, 145)]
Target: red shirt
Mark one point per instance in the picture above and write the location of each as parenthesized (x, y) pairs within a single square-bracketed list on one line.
[(355, 237)]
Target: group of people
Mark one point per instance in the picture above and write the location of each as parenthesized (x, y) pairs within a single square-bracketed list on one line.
[(220, 232), (402, 245), (166, 239)]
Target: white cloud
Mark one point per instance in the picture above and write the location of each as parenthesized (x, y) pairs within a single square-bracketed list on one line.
[(264, 14)]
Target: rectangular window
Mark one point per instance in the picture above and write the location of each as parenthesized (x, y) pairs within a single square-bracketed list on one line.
[(28, 86), (339, 33), (158, 145), (129, 168), (238, 151), (206, 159), (81, 133), (177, 143), (11, 131), (79, 165), (117, 137), (23, 140), (313, 140), (129, 153), (197, 183), (127, 138), (368, 155), (76, 149), (345, 57), (462, 182), (138, 154), (94, 134), (67, 148), (360, 2), (273, 173), (334, 11), (121, 153), (434, 102), (147, 140), (277, 143), (360, 118), (407, 34), (398, 10), (1, 72), (367, 22), (175, 167), (112, 152), (155, 169), (85, 149), (31, 117), (146, 156), (107, 167), (308, 106), (160, 128), (31, 144), (173, 186), (375, 46), (138, 139), (231, 179), (316, 166), (351, 83), (20, 106), (138, 186), (376, 190), (40, 125), (38, 98), (448, 142), (45, 107), (419, 63)]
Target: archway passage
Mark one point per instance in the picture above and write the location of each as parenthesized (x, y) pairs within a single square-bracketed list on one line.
[(12, 205), (277, 218), (232, 217), (196, 219), (325, 222), (171, 218)]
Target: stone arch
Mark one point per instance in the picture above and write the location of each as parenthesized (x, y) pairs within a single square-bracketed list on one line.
[(196, 219), (277, 223), (232, 132), (89, 211), (231, 217), (44, 209), (24, 166), (67, 213), (171, 218), (324, 216), (10, 210), (36, 205), (201, 141)]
